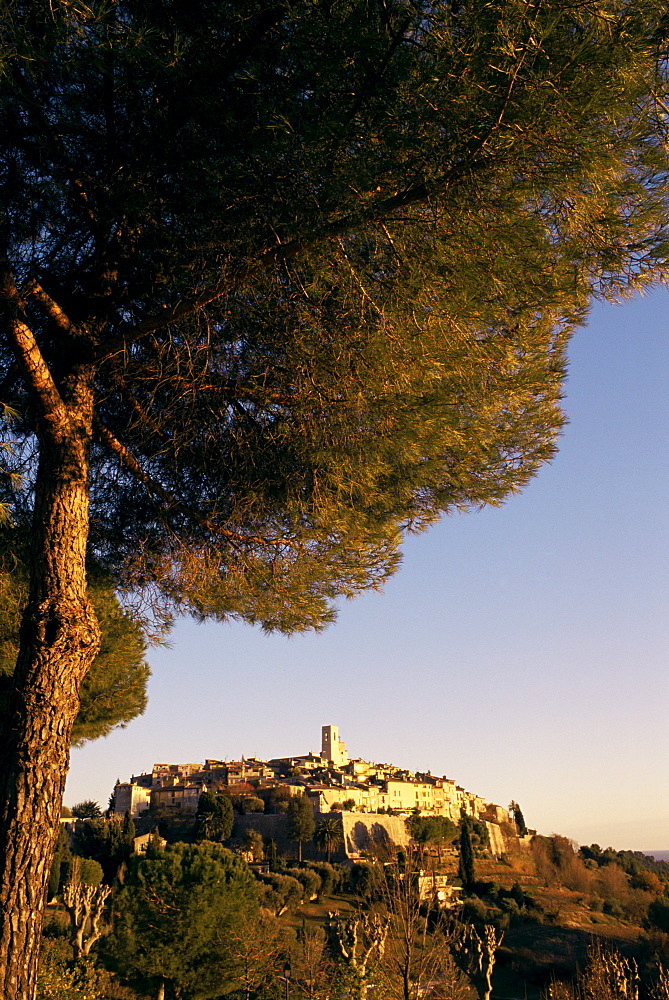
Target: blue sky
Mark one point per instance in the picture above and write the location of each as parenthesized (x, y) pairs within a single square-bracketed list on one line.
[(522, 651)]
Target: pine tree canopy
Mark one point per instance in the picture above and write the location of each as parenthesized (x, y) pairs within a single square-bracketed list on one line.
[(324, 260), (175, 915)]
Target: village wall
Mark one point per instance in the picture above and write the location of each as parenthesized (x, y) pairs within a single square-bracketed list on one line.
[(369, 833)]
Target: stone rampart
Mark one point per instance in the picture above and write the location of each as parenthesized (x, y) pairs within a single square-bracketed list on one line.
[(369, 833), (497, 844)]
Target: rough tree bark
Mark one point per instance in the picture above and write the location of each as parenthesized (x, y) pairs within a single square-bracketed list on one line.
[(59, 640)]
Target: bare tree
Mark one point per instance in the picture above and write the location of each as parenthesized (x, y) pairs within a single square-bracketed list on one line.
[(417, 960), (85, 905), (256, 945), (312, 965), (607, 975), (359, 941), (475, 953), (660, 990)]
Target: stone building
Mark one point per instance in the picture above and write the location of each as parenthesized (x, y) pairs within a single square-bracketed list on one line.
[(333, 751), (131, 797)]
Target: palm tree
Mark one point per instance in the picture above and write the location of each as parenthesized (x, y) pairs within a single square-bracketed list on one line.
[(328, 834)]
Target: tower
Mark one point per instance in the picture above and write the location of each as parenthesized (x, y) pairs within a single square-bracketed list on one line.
[(332, 749)]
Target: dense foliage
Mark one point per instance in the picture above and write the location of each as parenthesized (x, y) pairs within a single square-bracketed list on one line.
[(420, 944), (632, 862), (324, 261), (113, 693), (437, 830), (175, 914), (108, 840), (300, 815), (466, 870), (214, 817)]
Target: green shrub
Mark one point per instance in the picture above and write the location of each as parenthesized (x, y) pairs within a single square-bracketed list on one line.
[(613, 908), (279, 893), (658, 914), (309, 879), (60, 979), (251, 804), (364, 878), (331, 877), (476, 911)]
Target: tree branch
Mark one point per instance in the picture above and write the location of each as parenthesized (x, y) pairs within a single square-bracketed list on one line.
[(51, 308), (282, 252), (155, 488), (28, 354), (374, 211)]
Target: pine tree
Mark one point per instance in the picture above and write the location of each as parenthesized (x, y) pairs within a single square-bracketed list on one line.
[(175, 916), (114, 689), (278, 284)]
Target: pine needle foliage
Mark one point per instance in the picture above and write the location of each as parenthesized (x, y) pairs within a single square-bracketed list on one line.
[(114, 690), (325, 259), (176, 916)]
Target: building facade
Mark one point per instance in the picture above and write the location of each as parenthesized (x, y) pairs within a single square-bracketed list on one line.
[(330, 780)]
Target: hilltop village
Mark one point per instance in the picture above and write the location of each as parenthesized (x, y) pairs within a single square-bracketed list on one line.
[(331, 780), (383, 856)]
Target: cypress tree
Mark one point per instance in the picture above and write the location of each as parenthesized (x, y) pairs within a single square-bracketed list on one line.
[(520, 821), (466, 859), (301, 825)]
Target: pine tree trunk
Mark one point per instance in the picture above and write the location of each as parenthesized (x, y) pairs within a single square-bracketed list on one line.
[(59, 640)]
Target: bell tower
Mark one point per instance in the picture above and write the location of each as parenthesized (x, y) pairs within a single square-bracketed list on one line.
[(332, 749)]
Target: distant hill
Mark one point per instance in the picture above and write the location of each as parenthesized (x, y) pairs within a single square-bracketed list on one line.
[(658, 855)]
